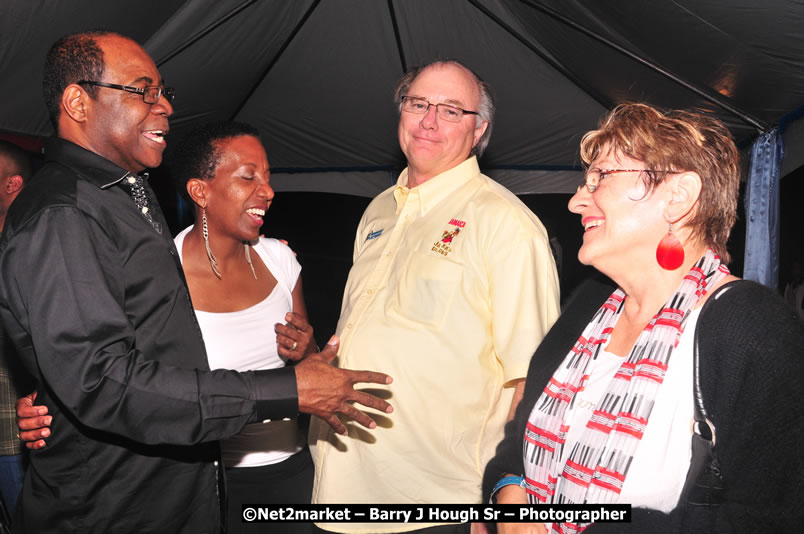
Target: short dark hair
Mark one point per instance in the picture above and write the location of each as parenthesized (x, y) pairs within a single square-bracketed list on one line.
[(198, 153), (485, 111), (19, 159), (74, 57)]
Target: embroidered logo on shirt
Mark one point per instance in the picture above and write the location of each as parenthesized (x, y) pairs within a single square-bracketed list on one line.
[(444, 245), (446, 237), (374, 235)]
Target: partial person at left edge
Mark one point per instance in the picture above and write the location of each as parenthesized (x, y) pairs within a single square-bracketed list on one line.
[(94, 298), (15, 170)]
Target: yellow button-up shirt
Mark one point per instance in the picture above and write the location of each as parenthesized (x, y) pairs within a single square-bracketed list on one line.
[(453, 286)]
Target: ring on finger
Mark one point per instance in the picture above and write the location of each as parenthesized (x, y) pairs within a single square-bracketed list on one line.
[(295, 344)]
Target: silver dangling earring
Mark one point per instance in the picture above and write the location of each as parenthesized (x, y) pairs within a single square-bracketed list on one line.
[(205, 231), (248, 259)]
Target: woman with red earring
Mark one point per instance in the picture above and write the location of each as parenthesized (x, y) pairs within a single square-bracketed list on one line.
[(671, 392)]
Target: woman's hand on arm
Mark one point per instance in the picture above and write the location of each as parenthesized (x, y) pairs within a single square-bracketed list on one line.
[(295, 339)]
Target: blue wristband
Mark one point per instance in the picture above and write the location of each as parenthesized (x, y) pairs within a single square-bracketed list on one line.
[(507, 481)]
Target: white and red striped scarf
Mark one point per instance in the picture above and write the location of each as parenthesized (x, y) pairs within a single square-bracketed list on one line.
[(598, 463)]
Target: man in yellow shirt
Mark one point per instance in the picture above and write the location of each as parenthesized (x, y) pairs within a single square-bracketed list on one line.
[(453, 286)]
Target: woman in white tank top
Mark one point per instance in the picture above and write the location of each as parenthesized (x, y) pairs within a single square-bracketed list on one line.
[(247, 297)]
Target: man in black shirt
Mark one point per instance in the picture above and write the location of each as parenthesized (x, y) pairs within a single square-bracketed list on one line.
[(93, 295)]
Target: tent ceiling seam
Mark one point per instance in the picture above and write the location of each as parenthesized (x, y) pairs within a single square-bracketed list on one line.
[(203, 33), (276, 58), (745, 117), (397, 36), (530, 46)]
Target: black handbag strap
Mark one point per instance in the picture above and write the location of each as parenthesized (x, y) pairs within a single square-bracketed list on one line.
[(703, 424), (705, 485)]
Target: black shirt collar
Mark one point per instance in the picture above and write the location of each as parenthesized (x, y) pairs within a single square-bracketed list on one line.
[(94, 168)]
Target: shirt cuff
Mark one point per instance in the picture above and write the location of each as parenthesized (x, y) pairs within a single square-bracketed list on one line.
[(275, 394)]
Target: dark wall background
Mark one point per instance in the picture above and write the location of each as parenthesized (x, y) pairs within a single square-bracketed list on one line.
[(791, 191)]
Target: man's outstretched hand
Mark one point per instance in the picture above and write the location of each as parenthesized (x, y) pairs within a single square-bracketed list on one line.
[(326, 391), (323, 390)]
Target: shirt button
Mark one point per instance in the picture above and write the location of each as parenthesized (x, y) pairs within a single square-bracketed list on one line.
[(215, 463), (370, 291), (349, 325)]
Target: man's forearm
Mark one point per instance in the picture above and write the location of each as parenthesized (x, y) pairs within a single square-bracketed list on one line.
[(519, 391)]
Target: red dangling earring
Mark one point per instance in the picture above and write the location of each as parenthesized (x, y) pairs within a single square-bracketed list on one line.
[(670, 253)]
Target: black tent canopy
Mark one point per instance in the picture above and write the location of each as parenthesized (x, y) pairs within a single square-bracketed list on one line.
[(315, 76)]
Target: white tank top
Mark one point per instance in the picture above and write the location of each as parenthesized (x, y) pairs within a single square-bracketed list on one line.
[(245, 341)]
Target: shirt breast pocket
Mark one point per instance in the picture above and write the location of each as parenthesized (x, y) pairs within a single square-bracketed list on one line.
[(427, 289)]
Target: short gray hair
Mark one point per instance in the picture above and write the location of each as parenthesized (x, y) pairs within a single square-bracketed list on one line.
[(485, 109)]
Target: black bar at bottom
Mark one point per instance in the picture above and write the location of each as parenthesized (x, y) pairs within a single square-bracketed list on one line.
[(436, 513)]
